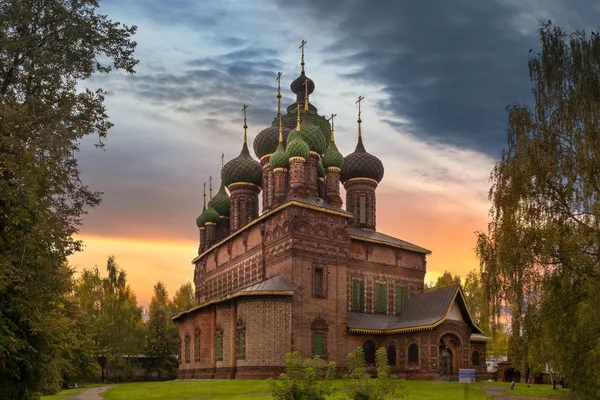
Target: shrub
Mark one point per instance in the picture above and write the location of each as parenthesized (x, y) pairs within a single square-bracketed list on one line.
[(360, 385), (303, 379)]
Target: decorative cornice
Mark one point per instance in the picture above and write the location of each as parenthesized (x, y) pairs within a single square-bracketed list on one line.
[(334, 169), (361, 180), (280, 170), (201, 228), (314, 153), (210, 223), (297, 158), (242, 184), (265, 156)]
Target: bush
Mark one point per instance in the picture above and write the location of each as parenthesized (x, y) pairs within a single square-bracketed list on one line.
[(303, 379), (360, 385)]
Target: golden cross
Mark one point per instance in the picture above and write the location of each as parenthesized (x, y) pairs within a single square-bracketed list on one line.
[(279, 81), (302, 47), (245, 124), (279, 93), (210, 185), (331, 119), (222, 160), (204, 195), (306, 94), (360, 99)]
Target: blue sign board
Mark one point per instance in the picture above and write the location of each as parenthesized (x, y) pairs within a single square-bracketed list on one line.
[(466, 376)]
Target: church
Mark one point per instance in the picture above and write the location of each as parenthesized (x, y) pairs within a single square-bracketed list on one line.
[(310, 272)]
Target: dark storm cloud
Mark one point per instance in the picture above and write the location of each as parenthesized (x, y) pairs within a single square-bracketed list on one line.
[(211, 87), (449, 68)]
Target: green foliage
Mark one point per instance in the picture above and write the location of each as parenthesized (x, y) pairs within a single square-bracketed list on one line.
[(113, 318), (184, 298), (360, 385), (447, 279), (46, 49), (477, 300), (303, 379), (162, 334), (540, 254)]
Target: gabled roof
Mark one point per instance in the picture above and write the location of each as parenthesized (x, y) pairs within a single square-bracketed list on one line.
[(277, 285), (424, 311), (378, 237)]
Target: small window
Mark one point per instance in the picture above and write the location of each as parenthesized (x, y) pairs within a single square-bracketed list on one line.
[(358, 295), (197, 346), (475, 358), (218, 346), (380, 297), (402, 294), (413, 354), (319, 282), (369, 349), (391, 355), (319, 344), (363, 210), (241, 344), (187, 349)]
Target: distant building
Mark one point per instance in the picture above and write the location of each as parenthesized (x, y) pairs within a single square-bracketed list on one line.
[(308, 275)]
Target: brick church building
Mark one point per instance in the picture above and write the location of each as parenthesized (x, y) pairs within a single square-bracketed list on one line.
[(308, 275)]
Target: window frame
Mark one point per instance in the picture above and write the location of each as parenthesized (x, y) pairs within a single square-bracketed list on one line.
[(358, 296), (197, 345), (412, 354), (381, 298), (188, 356), (323, 293), (219, 344), (478, 358), (402, 298)]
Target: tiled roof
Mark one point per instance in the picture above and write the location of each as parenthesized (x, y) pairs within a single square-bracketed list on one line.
[(276, 285), (423, 311), (361, 234), (320, 203)]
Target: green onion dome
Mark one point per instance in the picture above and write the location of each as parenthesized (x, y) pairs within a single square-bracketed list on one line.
[(333, 157), (297, 148), (221, 202), (266, 141), (361, 164), (211, 215), (280, 159), (312, 135), (289, 119), (243, 168), (320, 169), (201, 220)]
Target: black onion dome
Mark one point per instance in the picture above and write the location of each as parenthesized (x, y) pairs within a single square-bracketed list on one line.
[(297, 86), (267, 140), (361, 164), (243, 168)]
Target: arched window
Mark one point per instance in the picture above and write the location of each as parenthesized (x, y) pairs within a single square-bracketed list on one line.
[(187, 349), (475, 358), (369, 349), (241, 338), (391, 355), (197, 345), (413, 354), (319, 337)]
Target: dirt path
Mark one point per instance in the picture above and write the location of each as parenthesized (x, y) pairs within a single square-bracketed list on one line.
[(497, 393), (90, 394)]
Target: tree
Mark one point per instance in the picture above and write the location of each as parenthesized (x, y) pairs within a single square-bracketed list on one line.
[(360, 386), (46, 49), (542, 250), (162, 334), (476, 298), (446, 279), (184, 298)]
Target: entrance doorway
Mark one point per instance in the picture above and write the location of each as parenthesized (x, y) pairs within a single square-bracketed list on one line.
[(445, 361)]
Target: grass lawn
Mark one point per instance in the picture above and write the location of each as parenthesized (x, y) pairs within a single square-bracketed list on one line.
[(240, 389), (521, 389)]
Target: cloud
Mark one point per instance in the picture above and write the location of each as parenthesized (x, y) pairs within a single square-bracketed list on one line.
[(448, 69)]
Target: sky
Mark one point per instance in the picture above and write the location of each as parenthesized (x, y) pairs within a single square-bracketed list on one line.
[(436, 76)]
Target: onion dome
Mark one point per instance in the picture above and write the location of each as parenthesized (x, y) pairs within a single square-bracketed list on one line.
[(243, 168), (297, 85), (289, 119), (201, 220), (361, 164), (266, 141), (280, 159), (211, 215), (221, 202), (297, 148), (312, 135), (333, 157), (320, 169)]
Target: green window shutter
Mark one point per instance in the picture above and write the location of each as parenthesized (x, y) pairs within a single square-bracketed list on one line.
[(240, 344), (399, 299), (405, 297), (384, 298), (319, 344), (377, 297), (197, 346), (362, 295), (218, 347), (355, 294)]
